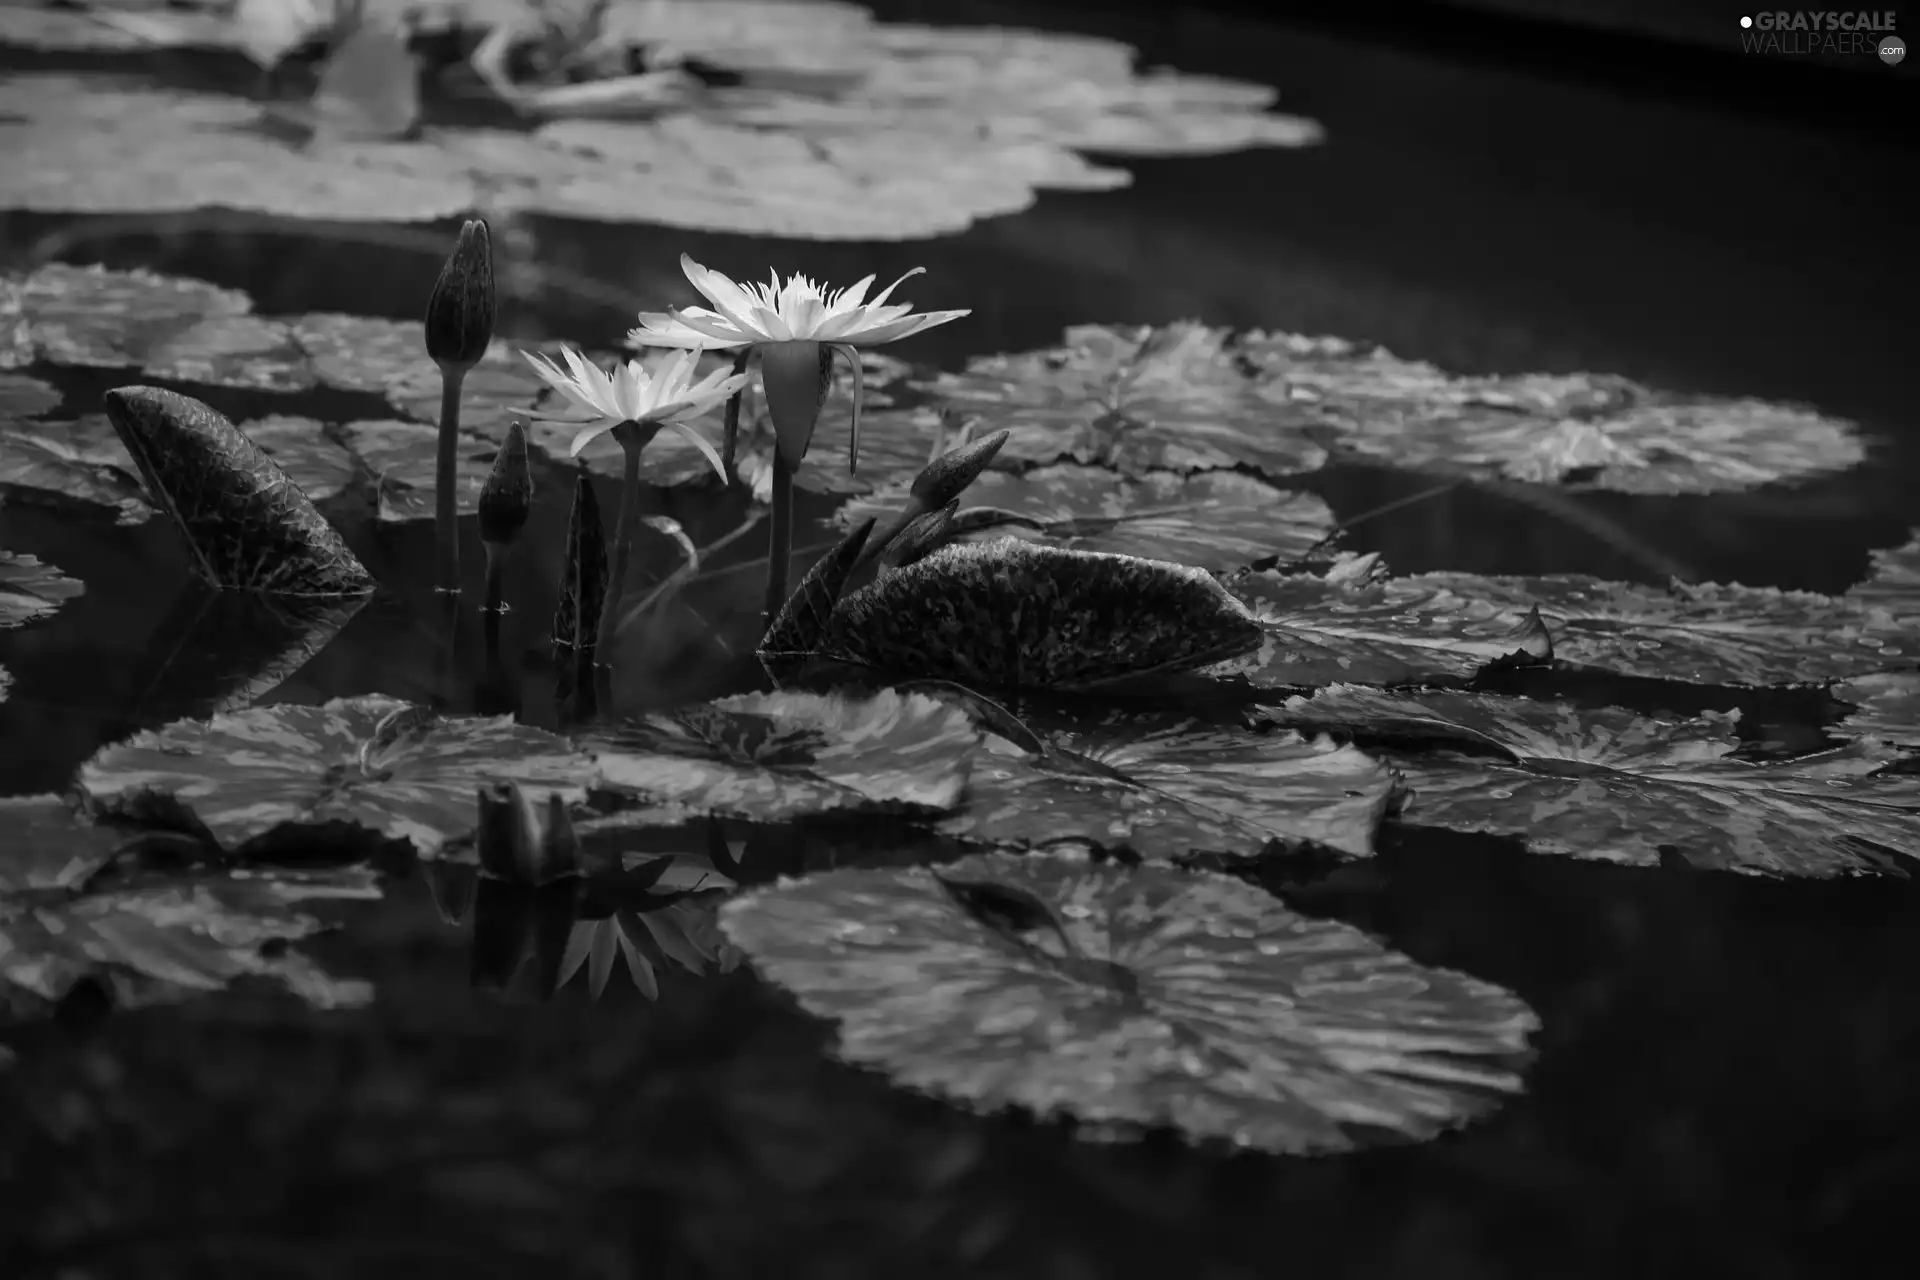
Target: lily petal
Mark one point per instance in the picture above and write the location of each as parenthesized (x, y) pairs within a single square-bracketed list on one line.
[(888, 291), (859, 393), (903, 328), (710, 328), (587, 435), (700, 442), (727, 297)]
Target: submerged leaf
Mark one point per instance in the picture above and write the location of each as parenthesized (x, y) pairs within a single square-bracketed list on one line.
[(1137, 400), (1152, 997), (1888, 708), (248, 525), (373, 763), (774, 756), (1612, 785), (1579, 429), (1169, 789), (31, 589), (1212, 520), (1011, 614)]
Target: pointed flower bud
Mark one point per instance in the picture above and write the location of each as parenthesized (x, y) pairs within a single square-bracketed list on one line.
[(460, 312), (523, 843), (507, 497)]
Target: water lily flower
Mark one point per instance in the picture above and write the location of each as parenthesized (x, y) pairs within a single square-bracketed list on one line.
[(797, 327), (634, 405)]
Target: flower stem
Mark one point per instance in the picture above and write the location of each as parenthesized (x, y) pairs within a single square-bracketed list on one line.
[(446, 505), (496, 577), (730, 432), (630, 446), (780, 538)]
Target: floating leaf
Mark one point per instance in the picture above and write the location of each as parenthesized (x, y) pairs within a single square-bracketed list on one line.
[(232, 351), (1012, 614), (31, 589), (368, 353), (1328, 629), (1894, 583), (1888, 707), (1212, 520), (110, 319), (400, 456), (773, 756), (248, 525), (1169, 789), (24, 397), (1581, 429), (82, 460), (1709, 633), (45, 846), (1136, 400), (1136, 997), (374, 763), (1612, 785)]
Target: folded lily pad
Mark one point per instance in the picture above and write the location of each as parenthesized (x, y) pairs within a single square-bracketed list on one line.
[(1612, 785), (31, 589), (1708, 633), (401, 457), (1583, 429), (23, 397), (1011, 614), (374, 763), (1169, 789), (774, 756), (1135, 998), (1888, 707), (1136, 400), (1210, 520)]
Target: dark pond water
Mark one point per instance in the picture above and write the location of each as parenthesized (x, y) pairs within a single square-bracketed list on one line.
[(1728, 1073)]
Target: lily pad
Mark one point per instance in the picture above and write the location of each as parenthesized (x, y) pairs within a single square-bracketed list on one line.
[(1337, 627), (1133, 399), (1708, 633), (774, 756), (1169, 789), (24, 397), (1612, 785), (370, 353), (302, 449), (1888, 708), (1211, 520), (99, 318), (31, 589), (1012, 615), (401, 457), (1894, 583), (233, 351), (46, 847), (377, 764), (1583, 429), (249, 527), (1135, 998)]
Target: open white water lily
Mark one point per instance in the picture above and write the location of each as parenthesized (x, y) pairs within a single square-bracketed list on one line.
[(629, 395)]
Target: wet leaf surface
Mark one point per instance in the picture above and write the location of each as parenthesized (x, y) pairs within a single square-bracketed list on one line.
[(31, 589), (1210, 520), (1583, 429), (1136, 400), (373, 763), (1613, 785), (776, 756), (1135, 998), (401, 457), (95, 317), (1167, 789), (81, 460), (1011, 614), (1887, 706)]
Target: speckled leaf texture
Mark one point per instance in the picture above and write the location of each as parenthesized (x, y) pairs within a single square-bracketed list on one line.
[(1210, 520), (1167, 789), (1133, 399), (31, 589), (1146, 997), (249, 526), (400, 456), (1582, 429), (775, 756), (376, 763), (1611, 785), (1887, 706), (796, 630), (80, 460), (1012, 614)]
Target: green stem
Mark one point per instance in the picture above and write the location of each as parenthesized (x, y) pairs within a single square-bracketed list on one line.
[(623, 534), (496, 577), (446, 505), (780, 539)]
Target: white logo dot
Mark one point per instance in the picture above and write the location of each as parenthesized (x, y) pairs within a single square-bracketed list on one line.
[(1746, 22)]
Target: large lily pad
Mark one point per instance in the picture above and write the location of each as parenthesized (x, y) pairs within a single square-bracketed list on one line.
[(1137, 400), (1710, 633), (774, 756), (1011, 614), (1887, 706), (99, 318), (383, 766), (1613, 785), (248, 525), (24, 397), (1211, 520), (31, 589), (1580, 429), (1167, 789), (1135, 997), (401, 457)]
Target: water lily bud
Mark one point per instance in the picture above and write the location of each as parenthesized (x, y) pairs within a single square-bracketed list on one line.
[(922, 536), (460, 312), (948, 475), (522, 843), (507, 497)]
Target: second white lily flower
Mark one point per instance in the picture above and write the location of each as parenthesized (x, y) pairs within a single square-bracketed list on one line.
[(630, 395)]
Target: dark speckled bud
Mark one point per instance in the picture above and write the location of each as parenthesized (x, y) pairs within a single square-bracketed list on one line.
[(507, 497), (460, 312)]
